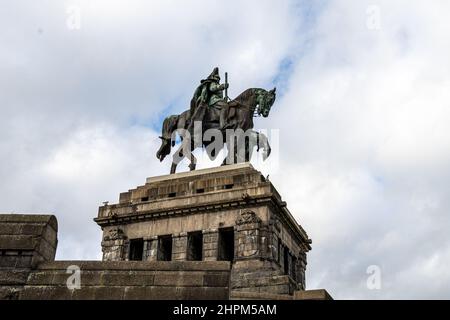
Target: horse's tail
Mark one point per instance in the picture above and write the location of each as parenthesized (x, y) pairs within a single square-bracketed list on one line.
[(263, 142), (169, 126)]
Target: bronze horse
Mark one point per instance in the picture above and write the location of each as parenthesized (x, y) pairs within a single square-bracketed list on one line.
[(240, 116)]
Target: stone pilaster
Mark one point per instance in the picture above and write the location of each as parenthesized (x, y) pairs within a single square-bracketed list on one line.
[(179, 246), (115, 245), (210, 244), (289, 260), (151, 249), (248, 237), (274, 247), (266, 242), (301, 270)]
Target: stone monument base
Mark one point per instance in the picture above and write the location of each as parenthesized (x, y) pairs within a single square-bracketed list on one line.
[(219, 233), (28, 271), (229, 213)]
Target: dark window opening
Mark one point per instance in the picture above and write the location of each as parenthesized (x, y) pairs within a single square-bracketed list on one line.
[(200, 190), (172, 195), (164, 248), (195, 246), (144, 199), (280, 252), (226, 244), (136, 249), (228, 186), (286, 260)]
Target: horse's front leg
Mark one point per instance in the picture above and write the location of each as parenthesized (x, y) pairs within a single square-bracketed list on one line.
[(248, 150), (193, 164), (177, 157), (193, 159)]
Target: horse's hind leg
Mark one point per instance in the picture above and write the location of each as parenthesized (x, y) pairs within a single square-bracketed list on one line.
[(193, 163), (173, 168)]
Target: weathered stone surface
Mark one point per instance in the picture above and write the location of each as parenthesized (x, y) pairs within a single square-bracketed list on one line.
[(130, 280), (13, 277), (319, 294), (179, 279), (138, 265), (25, 241), (243, 295), (9, 292), (216, 280)]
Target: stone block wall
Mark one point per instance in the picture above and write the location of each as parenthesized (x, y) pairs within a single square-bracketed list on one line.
[(210, 241), (25, 241), (160, 280)]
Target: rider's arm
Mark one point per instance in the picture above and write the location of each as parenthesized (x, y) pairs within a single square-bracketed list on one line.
[(214, 87)]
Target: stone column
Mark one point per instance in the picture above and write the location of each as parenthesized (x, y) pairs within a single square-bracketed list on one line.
[(210, 244), (247, 238), (115, 245), (179, 246), (151, 249)]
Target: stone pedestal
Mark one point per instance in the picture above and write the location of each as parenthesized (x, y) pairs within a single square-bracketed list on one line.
[(228, 213)]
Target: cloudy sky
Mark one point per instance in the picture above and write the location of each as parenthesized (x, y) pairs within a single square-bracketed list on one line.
[(362, 112)]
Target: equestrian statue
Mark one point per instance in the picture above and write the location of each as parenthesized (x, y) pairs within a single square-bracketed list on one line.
[(210, 110)]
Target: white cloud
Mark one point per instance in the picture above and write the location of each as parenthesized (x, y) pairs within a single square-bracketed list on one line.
[(370, 112), (365, 144)]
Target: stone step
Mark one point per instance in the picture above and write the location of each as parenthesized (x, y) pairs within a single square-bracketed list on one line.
[(123, 293), (246, 282), (131, 278)]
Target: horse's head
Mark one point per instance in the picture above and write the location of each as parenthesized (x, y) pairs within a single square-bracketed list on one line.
[(265, 101)]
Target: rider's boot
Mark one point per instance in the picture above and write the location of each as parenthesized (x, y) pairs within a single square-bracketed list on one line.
[(223, 118)]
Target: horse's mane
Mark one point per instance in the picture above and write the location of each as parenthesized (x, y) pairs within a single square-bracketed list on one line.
[(244, 96)]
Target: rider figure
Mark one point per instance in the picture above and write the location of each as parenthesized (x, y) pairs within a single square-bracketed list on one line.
[(209, 94)]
